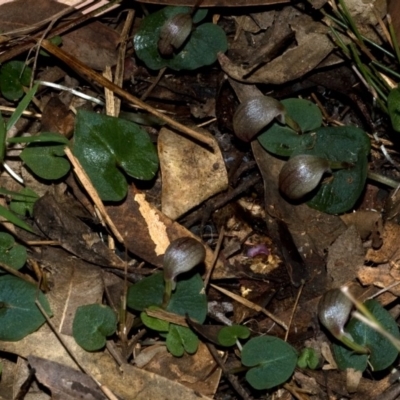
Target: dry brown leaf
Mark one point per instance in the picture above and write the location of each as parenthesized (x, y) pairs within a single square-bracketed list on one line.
[(197, 371), (345, 257), (132, 384), (390, 249), (73, 283), (313, 46), (58, 223), (365, 18), (190, 173), (94, 43), (147, 232), (64, 382), (368, 224)]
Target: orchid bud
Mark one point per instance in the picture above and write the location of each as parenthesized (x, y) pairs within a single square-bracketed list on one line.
[(174, 33)]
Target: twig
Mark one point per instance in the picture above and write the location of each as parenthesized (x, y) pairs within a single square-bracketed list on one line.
[(215, 257), (231, 378), (154, 84), (251, 305), (87, 184), (90, 74), (294, 310), (16, 273), (119, 70)]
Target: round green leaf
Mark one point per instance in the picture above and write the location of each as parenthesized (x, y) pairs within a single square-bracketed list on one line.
[(92, 324), (13, 76), (304, 112), (12, 254), (228, 335), (281, 140), (19, 315), (180, 339), (382, 351), (273, 360), (202, 47), (106, 146), (394, 108), (46, 160)]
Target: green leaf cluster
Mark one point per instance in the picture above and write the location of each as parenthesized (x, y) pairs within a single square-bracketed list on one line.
[(201, 49), (186, 299), (345, 144)]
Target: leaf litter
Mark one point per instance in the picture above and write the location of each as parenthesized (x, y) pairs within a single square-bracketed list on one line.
[(276, 256)]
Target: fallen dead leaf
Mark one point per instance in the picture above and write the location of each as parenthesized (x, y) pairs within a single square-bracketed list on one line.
[(313, 46), (345, 256), (190, 173), (94, 43), (198, 371), (137, 218), (389, 250), (65, 382)]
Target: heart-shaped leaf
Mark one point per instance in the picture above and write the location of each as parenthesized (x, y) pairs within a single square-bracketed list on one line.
[(202, 47), (106, 145), (13, 76), (228, 335), (19, 315), (92, 324), (181, 339), (273, 360), (382, 351), (46, 160), (12, 254)]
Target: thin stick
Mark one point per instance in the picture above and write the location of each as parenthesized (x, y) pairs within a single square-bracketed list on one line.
[(87, 184), (294, 310), (16, 273), (154, 84), (385, 289), (215, 257), (251, 305), (119, 70), (91, 75)]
